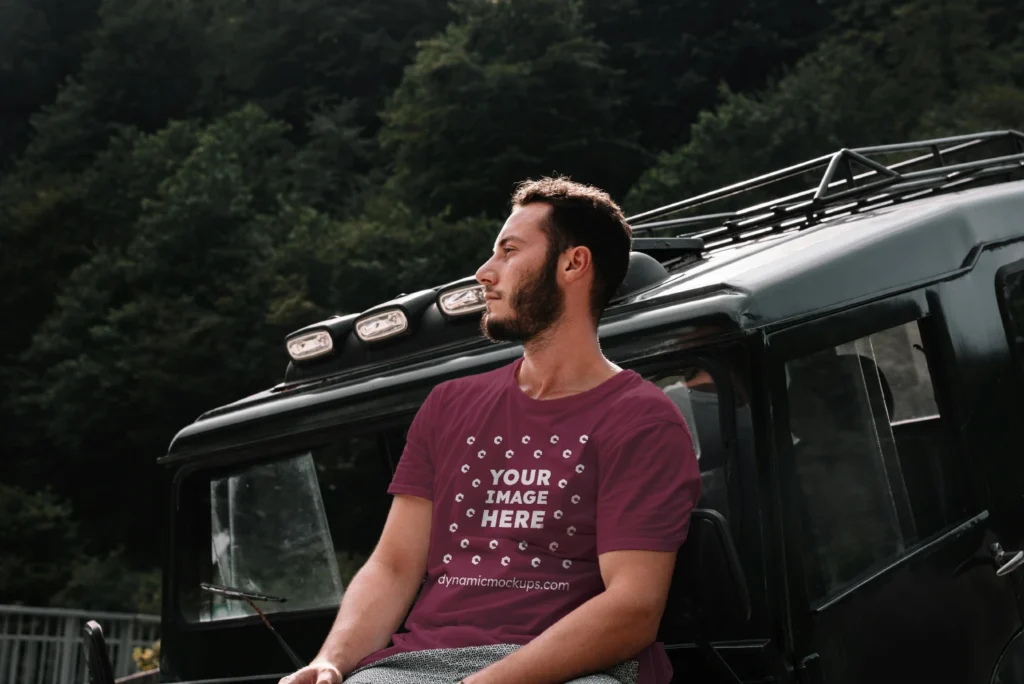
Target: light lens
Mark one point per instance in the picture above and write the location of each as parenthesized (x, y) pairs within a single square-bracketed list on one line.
[(464, 300), (310, 345), (382, 325)]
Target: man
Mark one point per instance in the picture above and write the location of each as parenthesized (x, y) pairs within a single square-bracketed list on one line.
[(543, 501)]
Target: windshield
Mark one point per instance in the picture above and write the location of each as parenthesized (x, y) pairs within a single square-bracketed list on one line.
[(297, 528), (269, 534)]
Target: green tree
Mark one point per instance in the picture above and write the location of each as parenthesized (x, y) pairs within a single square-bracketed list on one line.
[(41, 43), (673, 55), (35, 530), (860, 88), (27, 70), (109, 582), (179, 294), (511, 89), (295, 58), (52, 223), (142, 70), (45, 560)]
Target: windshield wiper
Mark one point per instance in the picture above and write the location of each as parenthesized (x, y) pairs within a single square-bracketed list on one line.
[(240, 595), (232, 593)]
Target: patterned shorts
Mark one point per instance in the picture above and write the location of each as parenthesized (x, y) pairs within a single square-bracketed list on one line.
[(449, 665)]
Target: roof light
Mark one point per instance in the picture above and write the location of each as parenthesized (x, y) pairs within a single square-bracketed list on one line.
[(310, 346), (382, 325), (462, 300)]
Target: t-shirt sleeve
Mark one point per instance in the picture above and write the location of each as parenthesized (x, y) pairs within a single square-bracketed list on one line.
[(648, 483), (415, 471)]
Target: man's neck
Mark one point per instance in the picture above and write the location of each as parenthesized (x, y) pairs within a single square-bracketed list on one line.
[(567, 360)]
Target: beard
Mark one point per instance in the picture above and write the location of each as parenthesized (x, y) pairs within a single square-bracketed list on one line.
[(536, 304)]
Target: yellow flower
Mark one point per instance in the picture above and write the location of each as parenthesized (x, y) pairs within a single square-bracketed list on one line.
[(147, 658)]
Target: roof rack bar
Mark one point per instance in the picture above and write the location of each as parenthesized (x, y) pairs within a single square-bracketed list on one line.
[(860, 189), (972, 142), (733, 189), (806, 207), (933, 184), (779, 204), (848, 176), (872, 164), (966, 142), (903, 147), (965, 166), (946, 152), (929, 182), (894, 167), (841, 191), (846, 156), (909, 162), (837, 159)]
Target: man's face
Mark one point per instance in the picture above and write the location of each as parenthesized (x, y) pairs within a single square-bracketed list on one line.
[(520, 279)]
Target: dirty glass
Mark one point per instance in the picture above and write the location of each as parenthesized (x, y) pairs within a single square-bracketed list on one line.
[(874, 466), (269, 535), (899, 355), (298, 528)]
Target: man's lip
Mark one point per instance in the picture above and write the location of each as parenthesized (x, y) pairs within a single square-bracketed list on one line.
[(490, 297)]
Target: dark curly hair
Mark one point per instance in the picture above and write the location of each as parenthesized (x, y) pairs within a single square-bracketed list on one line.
[(584, 216)]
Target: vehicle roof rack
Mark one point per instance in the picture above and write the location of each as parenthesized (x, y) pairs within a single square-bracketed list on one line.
[(941, 169)]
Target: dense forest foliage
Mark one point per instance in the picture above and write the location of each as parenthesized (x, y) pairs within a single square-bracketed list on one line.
[(183, 182)]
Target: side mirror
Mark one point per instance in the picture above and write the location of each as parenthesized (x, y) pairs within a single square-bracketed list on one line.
[(96, 657)]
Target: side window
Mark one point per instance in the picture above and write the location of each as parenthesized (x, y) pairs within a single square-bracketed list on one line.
[(694, 391), (875, 469), (1010, 290), (297, 528), (902, 367)]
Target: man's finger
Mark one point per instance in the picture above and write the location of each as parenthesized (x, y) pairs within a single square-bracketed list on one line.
[(328, 674)]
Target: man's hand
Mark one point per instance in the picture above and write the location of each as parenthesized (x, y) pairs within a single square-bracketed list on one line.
[(320, 671)]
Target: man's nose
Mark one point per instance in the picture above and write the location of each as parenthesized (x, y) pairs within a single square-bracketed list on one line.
[(485, 274)]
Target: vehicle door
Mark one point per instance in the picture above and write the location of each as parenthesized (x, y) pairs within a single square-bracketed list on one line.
[(888, 523), (712, 391), (986, 310)]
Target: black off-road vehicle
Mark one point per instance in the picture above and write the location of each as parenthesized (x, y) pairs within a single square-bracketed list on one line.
[(850, 358)]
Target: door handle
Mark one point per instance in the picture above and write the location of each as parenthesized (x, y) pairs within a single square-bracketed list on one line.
[(1006, 561)]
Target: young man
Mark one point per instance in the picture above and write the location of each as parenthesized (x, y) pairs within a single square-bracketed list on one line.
[(543, 501)]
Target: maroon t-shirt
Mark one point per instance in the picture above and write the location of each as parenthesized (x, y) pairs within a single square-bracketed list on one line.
[(528, 493)]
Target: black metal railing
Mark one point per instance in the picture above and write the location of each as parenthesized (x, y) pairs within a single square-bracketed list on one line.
[(841, 190)]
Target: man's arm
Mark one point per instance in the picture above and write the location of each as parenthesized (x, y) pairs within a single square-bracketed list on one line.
[(381, 593), (612, 627)]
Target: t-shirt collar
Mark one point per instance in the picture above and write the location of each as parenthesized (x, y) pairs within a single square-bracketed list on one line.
[(594, 393)]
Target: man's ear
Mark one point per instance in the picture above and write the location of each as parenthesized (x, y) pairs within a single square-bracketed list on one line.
[(577, 263)]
